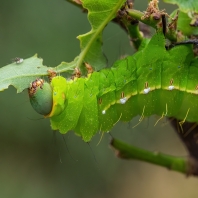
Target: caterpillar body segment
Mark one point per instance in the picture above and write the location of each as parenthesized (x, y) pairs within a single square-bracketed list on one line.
[(144, 84), (59, 87)]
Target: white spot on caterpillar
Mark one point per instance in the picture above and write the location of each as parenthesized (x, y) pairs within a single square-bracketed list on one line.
[(123, 100), (104, 112), (171, 87), (147, 90)]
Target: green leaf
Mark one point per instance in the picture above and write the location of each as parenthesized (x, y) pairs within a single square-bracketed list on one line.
[(184, 25), (20, 75), (100, 13), (185, 5)]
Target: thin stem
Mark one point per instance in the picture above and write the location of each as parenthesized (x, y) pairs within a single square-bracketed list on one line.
[(193, 41), (152, 21), (136, 14), (126, 151), (135, 34)]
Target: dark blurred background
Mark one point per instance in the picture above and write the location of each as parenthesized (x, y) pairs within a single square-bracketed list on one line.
[(34, 161)]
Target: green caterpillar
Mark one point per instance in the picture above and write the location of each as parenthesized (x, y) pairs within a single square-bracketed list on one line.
[(152, 81)]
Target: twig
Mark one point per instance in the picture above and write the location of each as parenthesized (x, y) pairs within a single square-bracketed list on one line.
[(183, 165)]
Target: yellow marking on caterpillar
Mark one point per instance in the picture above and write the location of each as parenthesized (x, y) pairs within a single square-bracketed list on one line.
[(163, 114), (141, 118), (100, 138), (182, 122), (118, 120), (101, 134)]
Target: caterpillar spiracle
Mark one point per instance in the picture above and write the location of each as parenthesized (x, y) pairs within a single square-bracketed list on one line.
[(152, 81)]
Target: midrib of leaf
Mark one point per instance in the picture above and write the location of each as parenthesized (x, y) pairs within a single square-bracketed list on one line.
[(99, 30)]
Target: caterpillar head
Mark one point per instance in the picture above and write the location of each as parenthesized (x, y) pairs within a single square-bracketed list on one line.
[(40, 94), (48, 99)]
